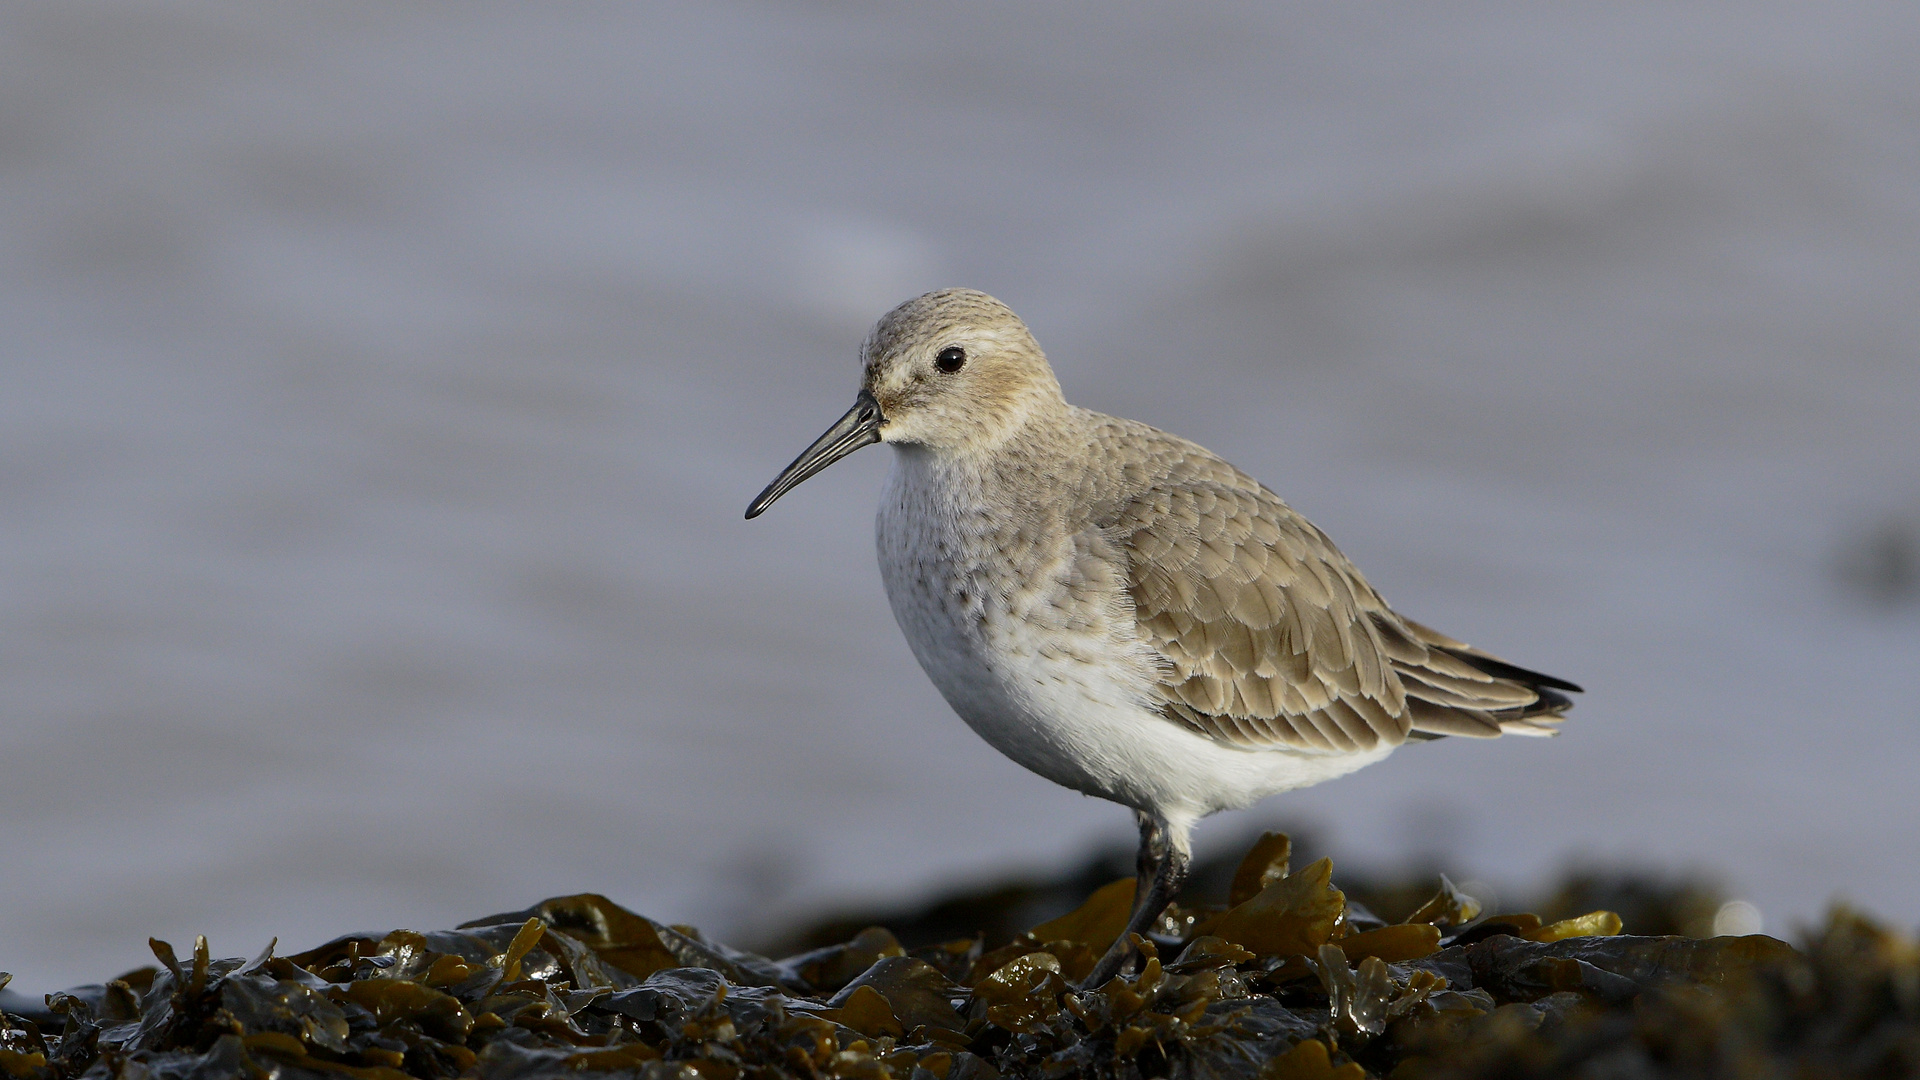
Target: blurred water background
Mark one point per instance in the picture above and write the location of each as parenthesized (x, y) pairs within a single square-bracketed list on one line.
[(383, 385)]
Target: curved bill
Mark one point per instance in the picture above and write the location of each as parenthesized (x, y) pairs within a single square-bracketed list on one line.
[(860, 427)]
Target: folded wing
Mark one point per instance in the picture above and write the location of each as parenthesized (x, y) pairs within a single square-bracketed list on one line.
[(1272, 639)]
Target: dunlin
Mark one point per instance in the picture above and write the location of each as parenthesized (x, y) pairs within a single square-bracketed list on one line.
[(1121, 611)]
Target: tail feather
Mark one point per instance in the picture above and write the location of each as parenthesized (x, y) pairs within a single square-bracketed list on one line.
[(1511, 701)]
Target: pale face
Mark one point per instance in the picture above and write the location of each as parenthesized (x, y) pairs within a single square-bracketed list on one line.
[(953, 371)]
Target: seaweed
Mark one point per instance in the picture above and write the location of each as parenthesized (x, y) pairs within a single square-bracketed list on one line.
[(1287, 979)]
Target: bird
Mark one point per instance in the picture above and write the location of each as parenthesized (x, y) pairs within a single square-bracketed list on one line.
[(1122, 611)]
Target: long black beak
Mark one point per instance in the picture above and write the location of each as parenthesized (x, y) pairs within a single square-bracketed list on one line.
[(860, 427)]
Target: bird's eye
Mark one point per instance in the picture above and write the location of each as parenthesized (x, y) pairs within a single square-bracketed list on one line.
[(950, 359)]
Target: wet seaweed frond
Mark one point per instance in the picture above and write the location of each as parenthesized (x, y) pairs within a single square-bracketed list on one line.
[(1285, 979)]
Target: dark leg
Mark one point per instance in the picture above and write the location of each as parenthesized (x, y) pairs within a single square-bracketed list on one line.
[(1146, 865), (1160, 869)]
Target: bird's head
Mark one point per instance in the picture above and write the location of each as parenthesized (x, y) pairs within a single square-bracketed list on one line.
[(954, 371)]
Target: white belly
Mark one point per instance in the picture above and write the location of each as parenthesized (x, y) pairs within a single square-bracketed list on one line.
[(1057, 690)]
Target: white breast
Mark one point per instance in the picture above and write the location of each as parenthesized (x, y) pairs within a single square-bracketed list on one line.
[(1035, 650)]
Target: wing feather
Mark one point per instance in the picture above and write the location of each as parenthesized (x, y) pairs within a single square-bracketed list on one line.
[(1273, 640)]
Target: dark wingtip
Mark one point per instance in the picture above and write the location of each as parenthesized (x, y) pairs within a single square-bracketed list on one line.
[(1500, 669), (1547, 681)]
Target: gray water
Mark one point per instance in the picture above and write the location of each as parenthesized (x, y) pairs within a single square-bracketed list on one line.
[(383, 386)]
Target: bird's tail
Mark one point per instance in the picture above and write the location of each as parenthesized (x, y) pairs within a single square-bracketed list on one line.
[(1455, 689)]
